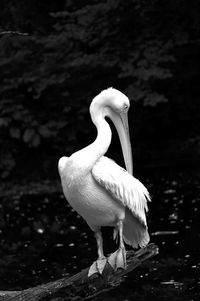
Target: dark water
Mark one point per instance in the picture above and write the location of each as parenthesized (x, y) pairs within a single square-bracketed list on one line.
[(42, 238)]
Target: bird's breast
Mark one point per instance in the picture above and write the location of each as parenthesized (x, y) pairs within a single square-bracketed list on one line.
[(91, 200)]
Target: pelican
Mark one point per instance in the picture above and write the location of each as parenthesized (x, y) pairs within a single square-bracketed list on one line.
[(101, 191)]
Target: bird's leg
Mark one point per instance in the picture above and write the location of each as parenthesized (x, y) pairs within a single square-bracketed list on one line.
[(118, 258), (99, 264)]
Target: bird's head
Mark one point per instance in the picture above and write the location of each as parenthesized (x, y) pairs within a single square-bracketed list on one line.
[(109, 99), (114, 104)]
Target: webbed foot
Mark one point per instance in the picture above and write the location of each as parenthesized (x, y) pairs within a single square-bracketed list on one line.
[(97, 266), (117, 260)]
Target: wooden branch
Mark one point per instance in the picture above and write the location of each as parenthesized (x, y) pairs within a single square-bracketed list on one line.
[(79, 286), (10, 32)]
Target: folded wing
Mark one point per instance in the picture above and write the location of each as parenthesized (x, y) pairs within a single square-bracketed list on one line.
[(123, 187)]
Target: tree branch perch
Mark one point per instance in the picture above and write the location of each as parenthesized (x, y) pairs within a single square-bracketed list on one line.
[(79, 286)]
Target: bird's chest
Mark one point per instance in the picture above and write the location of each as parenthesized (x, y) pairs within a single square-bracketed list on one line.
[(80, 190), (73, 185), (91, 200)]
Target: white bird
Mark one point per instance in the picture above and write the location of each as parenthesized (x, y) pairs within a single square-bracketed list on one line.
[(102, 192)]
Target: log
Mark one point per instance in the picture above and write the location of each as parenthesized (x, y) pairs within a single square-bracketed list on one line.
[(79, 286)]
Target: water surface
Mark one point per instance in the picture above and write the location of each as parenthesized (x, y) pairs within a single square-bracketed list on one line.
[(42, 238)]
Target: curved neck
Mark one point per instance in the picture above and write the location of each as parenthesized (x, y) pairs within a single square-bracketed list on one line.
[(91, 153), (103, 139), (104, 134)]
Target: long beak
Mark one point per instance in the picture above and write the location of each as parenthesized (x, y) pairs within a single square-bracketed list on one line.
[(121, 123)]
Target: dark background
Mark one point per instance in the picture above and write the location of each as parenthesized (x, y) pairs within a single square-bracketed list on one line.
[(55, 56)]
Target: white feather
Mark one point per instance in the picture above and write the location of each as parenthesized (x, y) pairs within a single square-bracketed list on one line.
[(101, 191), (123, 187)]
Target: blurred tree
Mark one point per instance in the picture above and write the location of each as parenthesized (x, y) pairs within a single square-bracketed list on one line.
[(31, 16), (49, 77)]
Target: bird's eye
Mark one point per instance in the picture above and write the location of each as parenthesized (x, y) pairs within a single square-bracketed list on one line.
[(125, 108)]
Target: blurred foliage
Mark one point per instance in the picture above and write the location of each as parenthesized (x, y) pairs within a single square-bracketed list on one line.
[(49, 76)]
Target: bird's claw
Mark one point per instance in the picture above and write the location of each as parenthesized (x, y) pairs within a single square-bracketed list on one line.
[(97, 266), (117, 260)]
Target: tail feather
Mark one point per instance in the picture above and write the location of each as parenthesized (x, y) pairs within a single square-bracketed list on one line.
[(134, 233)]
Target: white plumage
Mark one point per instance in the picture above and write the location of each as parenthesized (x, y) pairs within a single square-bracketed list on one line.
[(102, 192), (124, 187), (131, 193)]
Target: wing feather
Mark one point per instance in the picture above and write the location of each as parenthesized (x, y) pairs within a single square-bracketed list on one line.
[(123, 187)]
